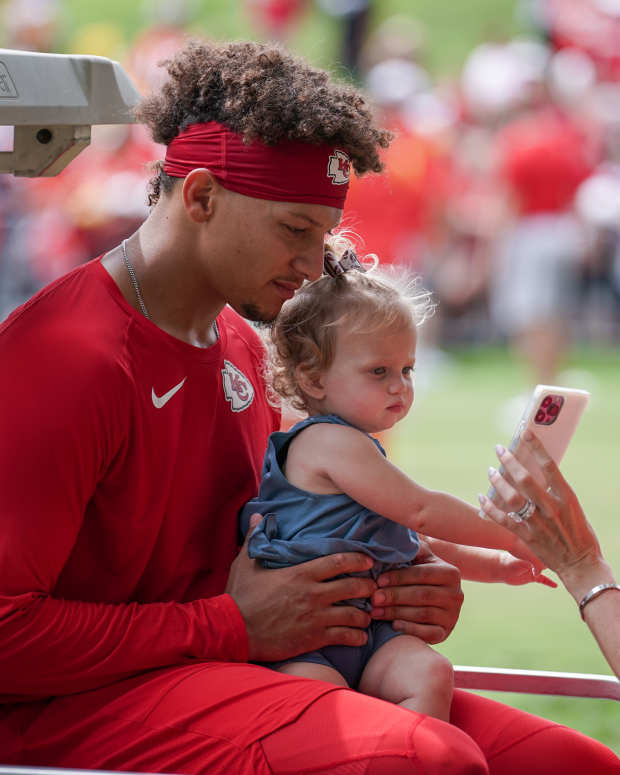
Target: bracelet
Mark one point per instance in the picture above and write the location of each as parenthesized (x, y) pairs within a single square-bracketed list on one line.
[(593, 594)]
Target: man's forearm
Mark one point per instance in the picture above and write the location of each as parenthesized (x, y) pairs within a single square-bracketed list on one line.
[(53, 647)]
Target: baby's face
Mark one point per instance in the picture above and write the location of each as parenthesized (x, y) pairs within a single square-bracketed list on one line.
[(370, 382)]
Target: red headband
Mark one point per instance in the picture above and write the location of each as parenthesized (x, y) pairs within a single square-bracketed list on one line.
[(291, 171)]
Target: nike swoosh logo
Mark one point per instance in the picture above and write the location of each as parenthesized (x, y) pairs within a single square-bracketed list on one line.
[(159, 401)]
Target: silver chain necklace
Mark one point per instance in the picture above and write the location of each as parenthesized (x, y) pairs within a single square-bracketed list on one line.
[(136, 287), (134, 281)]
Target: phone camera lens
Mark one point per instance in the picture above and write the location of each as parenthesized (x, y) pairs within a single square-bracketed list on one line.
[(540, 416), (546, 402)]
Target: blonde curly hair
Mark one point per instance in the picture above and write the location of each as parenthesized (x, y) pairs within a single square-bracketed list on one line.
[(305, 331)]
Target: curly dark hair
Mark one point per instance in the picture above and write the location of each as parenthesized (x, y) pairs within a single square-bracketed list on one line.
[(262, 92)]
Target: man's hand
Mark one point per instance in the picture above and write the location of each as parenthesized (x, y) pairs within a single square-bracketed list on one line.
[(423, 600), (289, 611)]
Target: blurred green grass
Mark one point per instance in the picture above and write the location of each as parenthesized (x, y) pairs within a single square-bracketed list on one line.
[(451, 29), (462, 409)]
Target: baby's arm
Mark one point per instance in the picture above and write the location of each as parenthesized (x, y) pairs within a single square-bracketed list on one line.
[(349, 460), (488, 565)]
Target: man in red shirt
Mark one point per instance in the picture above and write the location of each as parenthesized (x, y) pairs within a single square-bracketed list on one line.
[(134, 422), (542, 157)]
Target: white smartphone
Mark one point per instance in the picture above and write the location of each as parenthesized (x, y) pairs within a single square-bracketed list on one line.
[(552, 414)]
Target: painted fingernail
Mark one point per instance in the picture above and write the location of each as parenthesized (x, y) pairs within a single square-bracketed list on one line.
[(482, 499), (492, 471), (499, 449)]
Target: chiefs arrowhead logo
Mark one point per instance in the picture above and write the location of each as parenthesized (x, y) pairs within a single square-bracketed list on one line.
[(238, 389), (338, 168)]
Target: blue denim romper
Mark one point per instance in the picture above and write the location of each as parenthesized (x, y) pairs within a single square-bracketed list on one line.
[(298, 526)]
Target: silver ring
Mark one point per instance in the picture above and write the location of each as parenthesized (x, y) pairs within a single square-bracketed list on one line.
[(524, 513)]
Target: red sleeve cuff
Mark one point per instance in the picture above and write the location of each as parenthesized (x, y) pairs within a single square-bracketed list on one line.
[(225, 635), (240, 647)]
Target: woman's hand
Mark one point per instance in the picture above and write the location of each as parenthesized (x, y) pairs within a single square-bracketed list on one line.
[(558, 531), (423, 599)]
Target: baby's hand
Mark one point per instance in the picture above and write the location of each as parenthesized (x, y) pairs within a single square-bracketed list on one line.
[(514, 571), (521, 550)]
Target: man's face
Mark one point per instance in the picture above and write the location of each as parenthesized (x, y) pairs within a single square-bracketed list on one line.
[(266, 251)]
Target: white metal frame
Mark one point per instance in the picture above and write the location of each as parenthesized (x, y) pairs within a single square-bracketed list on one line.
[(537, 682)]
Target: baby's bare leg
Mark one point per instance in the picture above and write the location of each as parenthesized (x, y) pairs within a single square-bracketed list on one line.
[(407, 671), (313, 670)]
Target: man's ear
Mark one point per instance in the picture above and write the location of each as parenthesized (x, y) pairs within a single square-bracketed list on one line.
[(310, 381), (200, 189)]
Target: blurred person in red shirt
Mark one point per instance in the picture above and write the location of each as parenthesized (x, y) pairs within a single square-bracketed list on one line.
[(591, 26), (276, 19), (542, 156), (395, 212)]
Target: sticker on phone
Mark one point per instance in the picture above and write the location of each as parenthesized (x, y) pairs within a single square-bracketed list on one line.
[(548, 410)]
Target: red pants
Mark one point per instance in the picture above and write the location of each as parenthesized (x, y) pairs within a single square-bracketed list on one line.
[(243, 719)]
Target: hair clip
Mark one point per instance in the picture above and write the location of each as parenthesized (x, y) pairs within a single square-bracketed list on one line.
[(336, 266)]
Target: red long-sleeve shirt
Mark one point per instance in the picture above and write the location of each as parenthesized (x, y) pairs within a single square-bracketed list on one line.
[(119, 493)]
